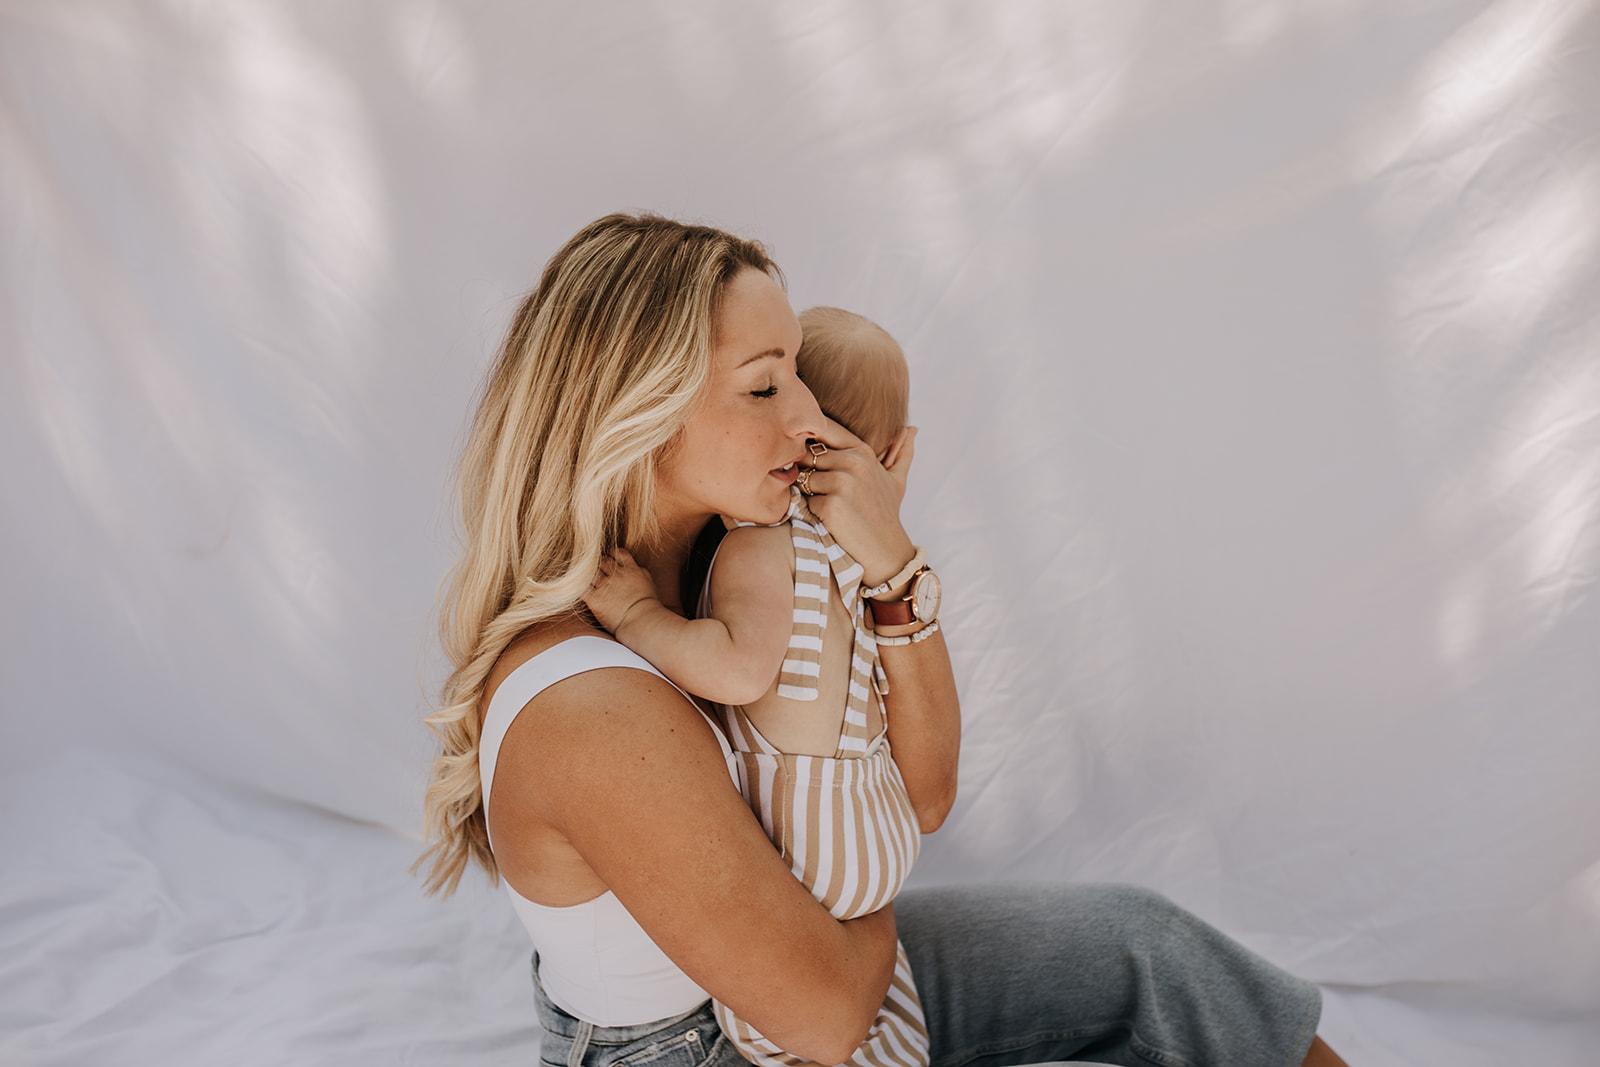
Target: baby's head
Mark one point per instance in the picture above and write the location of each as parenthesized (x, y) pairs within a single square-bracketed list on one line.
[(857, 373)]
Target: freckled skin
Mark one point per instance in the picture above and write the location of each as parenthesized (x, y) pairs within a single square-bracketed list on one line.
[(724, 460)]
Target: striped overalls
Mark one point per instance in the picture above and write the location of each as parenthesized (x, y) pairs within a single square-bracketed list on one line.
[(843, 823)]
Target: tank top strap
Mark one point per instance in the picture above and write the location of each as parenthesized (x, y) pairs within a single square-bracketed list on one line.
[(563, 660)]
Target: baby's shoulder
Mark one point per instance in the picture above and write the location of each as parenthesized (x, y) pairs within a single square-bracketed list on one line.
[(750, 549)]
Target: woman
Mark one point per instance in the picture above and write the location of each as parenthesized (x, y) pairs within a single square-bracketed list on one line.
[(646, 387)]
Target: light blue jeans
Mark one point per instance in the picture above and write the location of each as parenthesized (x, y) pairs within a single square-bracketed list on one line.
[(1020, 974)]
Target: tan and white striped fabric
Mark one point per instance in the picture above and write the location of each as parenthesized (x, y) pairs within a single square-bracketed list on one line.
[(843, 823), (820, 564)]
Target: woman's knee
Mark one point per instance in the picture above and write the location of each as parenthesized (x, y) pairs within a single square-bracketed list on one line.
[(1146, 922), (1046, 920), (1139, 904)]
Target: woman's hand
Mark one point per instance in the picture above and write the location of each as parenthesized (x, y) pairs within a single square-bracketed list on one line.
[(859, 498), (621, 585)]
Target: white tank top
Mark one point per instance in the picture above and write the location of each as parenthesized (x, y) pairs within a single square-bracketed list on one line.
[(595, 961)]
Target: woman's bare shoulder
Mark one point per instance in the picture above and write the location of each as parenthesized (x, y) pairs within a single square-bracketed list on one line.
[(536, 639), (593, 713), (560, 752)]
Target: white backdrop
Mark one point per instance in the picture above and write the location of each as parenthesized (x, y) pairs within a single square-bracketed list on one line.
[(1256, 348)]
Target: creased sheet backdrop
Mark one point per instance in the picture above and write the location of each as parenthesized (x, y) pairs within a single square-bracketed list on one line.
[(1256, 348)]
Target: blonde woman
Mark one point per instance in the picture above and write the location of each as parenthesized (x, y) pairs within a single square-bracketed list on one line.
[(646, 387)]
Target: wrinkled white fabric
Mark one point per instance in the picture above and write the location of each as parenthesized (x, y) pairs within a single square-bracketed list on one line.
[(1254, 350)]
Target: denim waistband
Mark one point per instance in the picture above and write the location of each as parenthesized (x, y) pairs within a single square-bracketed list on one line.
[(562, 1023)]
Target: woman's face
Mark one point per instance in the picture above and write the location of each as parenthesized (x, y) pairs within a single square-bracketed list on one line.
[(740, 451)]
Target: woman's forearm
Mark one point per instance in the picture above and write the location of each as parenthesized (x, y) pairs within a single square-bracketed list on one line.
[(841, 1009), (924, 716)]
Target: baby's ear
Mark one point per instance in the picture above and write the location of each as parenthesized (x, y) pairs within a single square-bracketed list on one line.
[(891, 455)]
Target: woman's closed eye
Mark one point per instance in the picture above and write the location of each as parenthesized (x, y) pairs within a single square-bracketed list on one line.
[(769, 391)]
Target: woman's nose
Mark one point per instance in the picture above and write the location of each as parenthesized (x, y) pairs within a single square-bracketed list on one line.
[(806, 418)]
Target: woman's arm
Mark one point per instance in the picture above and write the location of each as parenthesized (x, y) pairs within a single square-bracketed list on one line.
[(730, 657), (630, 774), (859, 500), (924, 721)]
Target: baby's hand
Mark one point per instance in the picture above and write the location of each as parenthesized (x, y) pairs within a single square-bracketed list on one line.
[(621, 584)]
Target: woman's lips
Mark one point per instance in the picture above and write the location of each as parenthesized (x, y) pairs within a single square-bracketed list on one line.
[(788, 472)]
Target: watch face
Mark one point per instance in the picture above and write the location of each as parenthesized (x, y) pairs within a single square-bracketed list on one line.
[(925, 594)]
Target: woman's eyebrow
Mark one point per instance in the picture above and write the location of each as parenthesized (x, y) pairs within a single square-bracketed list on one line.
[(773, 353)]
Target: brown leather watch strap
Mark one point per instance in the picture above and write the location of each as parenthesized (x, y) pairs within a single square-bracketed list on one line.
[(893, 613)]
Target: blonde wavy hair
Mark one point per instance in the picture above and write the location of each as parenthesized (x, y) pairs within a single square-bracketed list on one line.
[(601, 368)]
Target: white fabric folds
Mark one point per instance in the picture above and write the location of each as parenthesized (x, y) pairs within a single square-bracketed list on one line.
[(1254, 350)]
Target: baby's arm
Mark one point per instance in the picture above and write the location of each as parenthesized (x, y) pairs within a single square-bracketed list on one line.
[(731, 657)]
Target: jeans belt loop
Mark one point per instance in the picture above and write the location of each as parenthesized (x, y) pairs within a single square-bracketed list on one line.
[(580, 1043)]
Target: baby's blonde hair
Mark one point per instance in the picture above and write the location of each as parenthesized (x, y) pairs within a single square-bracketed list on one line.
[(857, 373), (603, 364)]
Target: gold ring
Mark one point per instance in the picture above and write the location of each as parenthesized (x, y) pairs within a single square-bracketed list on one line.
[(803, 480), (816, 448)]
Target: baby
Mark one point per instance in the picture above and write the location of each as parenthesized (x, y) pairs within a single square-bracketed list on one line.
[(810, 733)]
